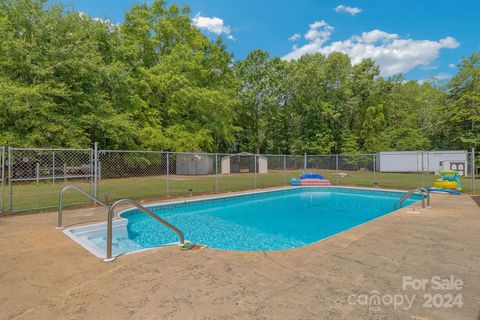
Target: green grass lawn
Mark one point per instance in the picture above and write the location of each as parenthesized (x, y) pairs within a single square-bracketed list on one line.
[(45, 194)]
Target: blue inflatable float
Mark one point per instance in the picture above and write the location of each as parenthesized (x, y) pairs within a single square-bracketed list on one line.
[(294, 182), (311, 176)]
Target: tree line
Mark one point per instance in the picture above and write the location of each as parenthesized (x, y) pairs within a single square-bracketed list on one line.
[(156, 82)]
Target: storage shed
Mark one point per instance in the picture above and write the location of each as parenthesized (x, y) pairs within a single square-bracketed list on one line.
[(427, 161), (244, 163), (194, 164)]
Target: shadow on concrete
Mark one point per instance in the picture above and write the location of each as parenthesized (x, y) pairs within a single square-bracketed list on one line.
[(477, 201)]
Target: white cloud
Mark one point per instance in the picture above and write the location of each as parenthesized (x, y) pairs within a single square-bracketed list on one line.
[(346, 9), (442, 76), (393, 54), (429, 67), (452, 65), (295, 37), (107, 22), (319, 32), (435, 78), (317, 35), (374, 36), (213, 25)]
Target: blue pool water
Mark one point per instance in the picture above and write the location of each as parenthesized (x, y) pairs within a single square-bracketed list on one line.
[(263, 221)]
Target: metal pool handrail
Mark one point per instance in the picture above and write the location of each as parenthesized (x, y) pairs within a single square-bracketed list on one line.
[(111, 213), (408, 195), (60, 205), (423, 192), (426, 192)]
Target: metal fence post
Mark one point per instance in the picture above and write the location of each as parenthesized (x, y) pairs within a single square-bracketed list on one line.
[(92, 170), (168, 174), (99, 173), (3, 180), (95, 169), (422, 169), (37, 171), (53, 167), (255, 172), (305, 161), (336, 167), (472, 165), (285, 169), (216, 173), (10, 201), (374, 170), (428, 162), (64, 172)]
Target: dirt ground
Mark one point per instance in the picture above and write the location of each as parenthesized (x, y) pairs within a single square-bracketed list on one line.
[(45, 275)]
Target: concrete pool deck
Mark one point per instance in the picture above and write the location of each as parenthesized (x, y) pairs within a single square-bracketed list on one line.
[(45, 275)]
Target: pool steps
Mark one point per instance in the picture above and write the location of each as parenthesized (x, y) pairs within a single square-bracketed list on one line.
[(315, 182)]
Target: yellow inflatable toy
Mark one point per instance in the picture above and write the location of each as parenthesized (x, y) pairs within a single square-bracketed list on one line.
[(443, 184), (449, 182)]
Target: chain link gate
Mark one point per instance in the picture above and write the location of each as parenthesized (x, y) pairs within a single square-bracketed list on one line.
[(36, 176)]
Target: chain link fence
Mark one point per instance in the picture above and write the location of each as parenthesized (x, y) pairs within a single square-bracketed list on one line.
[(132, 174), (36, 176), (356, 170), (32, 178), (402, 170)]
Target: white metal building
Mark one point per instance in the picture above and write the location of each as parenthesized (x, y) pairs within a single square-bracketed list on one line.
[(427, 161), (244, 163), (194, 164)]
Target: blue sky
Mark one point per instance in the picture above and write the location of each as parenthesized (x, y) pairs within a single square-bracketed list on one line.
[(419, 38)]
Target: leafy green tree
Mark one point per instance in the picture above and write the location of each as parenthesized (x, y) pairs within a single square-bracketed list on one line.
[(321, 100), (156, 82), (464, 108), (59, 84), (67, 79), (409, 115), (184, 80), (262, 100)]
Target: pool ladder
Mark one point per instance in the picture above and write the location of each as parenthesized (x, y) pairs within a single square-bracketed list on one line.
[(425, 194), (111, 215)]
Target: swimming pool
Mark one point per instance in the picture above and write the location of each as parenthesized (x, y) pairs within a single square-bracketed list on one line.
[(273, 220)]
